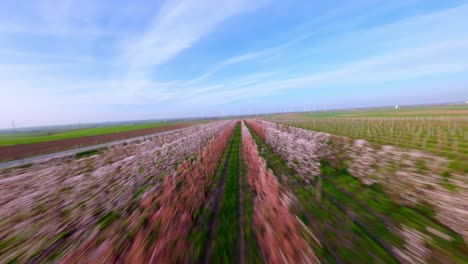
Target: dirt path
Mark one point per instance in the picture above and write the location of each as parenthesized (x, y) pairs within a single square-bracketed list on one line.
[(215, 210)]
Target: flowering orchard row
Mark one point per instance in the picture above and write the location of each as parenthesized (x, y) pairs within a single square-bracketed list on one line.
[(411, 177), (48, 208), (380, 190), (444, 136), (278, 232), (231, 192), (159, 229)]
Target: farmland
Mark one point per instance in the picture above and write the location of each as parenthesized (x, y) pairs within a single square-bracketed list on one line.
[(17, 147), (246, 191), (28, 138), (92, 194), (234, 132), (368, 199), (442, 131)]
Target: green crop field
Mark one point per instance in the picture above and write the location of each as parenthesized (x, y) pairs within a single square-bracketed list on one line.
[(26, 138), (451, 110), (439, 130), (433, 111)]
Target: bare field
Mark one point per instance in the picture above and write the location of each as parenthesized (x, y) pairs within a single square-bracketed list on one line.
[(14, 152)]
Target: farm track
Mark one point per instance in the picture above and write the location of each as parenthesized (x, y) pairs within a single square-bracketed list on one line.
[(15, 152), (241, 207), (205, 258), (79, 152), (225, 244)]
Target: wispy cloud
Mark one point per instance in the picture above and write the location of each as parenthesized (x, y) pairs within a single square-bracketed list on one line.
[(148, 57), (231, 61), (45, 56), (319, 25), (176, 27), (445, 53)]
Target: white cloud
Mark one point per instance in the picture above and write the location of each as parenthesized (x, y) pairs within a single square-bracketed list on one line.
[(431, 59), (176, 27), (46, 81), (320, 24), (45, 56)]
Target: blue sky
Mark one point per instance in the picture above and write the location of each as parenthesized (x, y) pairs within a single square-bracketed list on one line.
[(69, 61)]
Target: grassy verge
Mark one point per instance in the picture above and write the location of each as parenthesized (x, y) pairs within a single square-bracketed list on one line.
[(200, 235), (88, 153), (226, 241)]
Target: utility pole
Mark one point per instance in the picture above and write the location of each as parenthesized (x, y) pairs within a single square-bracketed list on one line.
[(13, 125)]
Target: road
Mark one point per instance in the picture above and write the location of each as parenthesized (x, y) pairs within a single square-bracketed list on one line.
[(19, 162)]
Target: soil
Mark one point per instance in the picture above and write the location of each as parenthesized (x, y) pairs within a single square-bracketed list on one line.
[(29, 150)]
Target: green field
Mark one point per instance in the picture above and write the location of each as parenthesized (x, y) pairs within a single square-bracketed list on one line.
[(433, 111), (439, 130), (26, 138)]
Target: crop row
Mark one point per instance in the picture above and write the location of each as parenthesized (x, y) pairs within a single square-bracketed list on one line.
[(278, 232), (443, 136), (159, 229), (339, 238), (47, 208), (236, 192), (410, 177), (359, 216), (249, 248)]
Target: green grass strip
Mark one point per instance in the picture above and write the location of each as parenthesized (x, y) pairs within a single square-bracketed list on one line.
[(27, 138), (200, 235), (226, 242)]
